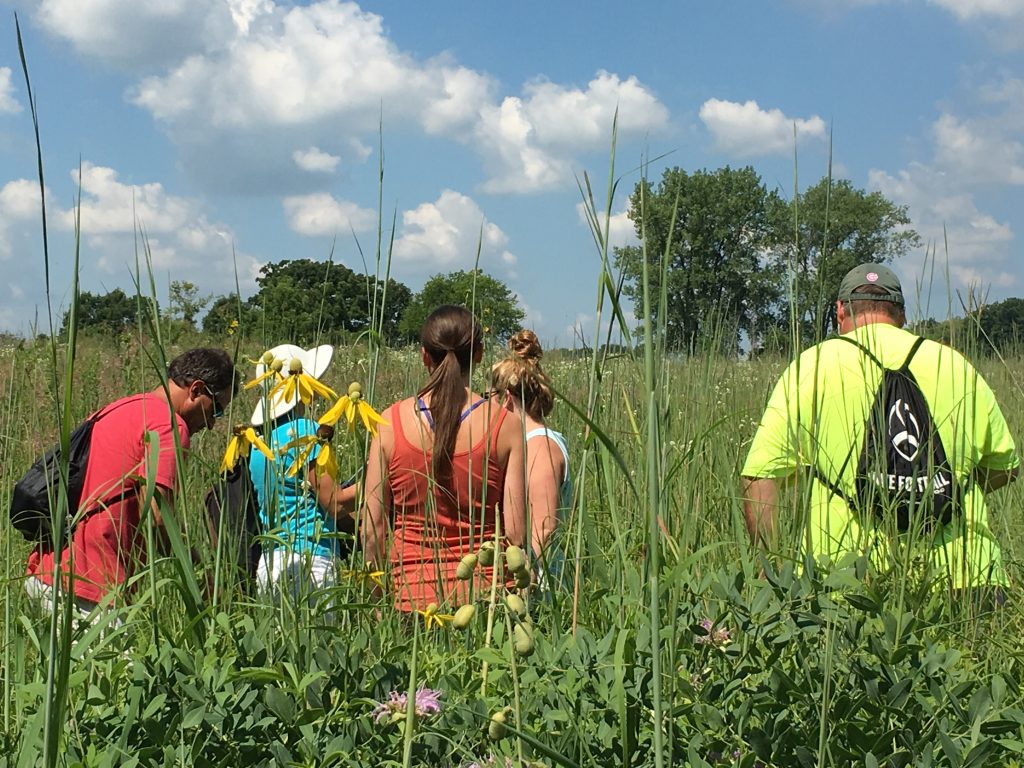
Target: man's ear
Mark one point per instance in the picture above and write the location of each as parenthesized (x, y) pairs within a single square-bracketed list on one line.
[(425, 357)]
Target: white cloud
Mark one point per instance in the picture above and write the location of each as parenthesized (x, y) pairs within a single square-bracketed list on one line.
[(140, 35), (19, 202), (747, 130), (942, 213), (8, 103), (322, 214), (621, 230), (527, 142), (239, 84), (180, 237), (445, 234), (297, 65), (978, 152), (970, 9), (315, 160)]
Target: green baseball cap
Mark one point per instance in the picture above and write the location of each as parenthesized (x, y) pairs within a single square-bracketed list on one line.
[(877, 275)]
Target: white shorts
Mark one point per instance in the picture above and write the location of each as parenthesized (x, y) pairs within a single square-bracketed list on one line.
[(297, 573), (84, 610)]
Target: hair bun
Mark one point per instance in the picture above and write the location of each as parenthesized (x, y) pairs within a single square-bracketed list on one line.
[(526, 346)]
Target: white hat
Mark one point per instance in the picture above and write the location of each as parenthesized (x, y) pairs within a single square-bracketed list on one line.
[(314, 362)]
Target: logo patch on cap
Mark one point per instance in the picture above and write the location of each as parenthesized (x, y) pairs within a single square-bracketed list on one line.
[(872, 277)]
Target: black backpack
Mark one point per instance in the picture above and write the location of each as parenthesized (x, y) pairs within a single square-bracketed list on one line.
[(37, 489), (233, 510), (903, 473)]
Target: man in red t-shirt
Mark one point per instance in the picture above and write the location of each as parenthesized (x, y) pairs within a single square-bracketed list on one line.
[(108, 543)]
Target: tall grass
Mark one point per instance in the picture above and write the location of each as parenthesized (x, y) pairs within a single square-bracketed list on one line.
[(664, 646)]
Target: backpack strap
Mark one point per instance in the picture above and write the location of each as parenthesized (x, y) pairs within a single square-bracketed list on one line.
[(906, 363), (910, 355), (833, 486)]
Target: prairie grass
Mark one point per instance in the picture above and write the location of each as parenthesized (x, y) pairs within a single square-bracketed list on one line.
[(670, 641)]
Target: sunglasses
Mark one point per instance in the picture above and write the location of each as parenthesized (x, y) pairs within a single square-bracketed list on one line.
[(218, 409)]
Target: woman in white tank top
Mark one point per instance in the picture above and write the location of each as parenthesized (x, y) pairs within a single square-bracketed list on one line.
[(549, 484)]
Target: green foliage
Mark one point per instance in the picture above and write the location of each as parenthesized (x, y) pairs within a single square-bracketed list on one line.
[(111, 313), (717, 276), (837, 227), (185, 304), (227, 314), (1002, 323), (308, 301), (735, 246), (496, 306)]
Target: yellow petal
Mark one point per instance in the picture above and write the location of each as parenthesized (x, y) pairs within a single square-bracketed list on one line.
[(259, 379), (254, 439), (230, 455), (300, 460), (302, 386), (326, 460), (370, 418), (330, 418), (322, 389)]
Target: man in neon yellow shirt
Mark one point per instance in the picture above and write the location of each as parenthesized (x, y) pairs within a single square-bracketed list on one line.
[(816, 419)]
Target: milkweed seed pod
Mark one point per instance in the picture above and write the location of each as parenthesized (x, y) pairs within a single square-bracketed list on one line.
[(523, 579), (496, 728), (464, 616), (522, 640), (486, 554), (515, 558), (464, 571), (516, 605)]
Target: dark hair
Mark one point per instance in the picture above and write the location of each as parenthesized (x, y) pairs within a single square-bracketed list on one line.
[(451, 335), (890, 309), (206, 364), (521, 375)]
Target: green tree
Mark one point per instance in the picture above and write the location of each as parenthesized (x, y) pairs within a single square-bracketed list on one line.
[(113, 312), (305, 301), (719, 275), (185, 302), (1003, 323), (836, 227), (228, 314), (491, 300)]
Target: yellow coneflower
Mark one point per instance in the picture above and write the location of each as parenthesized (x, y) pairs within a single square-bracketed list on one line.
[(273, 368), (299, 384), (243, 437), (431, 617), (365, 575), (326, 460), (351, 405)]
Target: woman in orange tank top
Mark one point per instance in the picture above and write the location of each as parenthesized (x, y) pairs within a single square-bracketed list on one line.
[(441, 469)]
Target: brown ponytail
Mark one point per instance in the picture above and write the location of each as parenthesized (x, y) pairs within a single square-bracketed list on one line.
[(521, 375), (451, 335)]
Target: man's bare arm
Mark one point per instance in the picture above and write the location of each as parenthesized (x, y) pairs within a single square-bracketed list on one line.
[(760, 502)]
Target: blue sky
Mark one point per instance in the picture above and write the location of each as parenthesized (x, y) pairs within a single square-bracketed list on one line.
[(238, 132)]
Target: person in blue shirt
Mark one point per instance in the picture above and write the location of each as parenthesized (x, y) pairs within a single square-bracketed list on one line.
[(304, 515), (549, 481)]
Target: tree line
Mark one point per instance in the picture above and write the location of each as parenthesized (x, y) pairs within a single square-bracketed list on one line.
[(738, 264), (737, 261), (308, 302)]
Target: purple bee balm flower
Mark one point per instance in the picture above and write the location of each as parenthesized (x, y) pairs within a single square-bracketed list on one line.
[(428, 702), (716, 636)]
